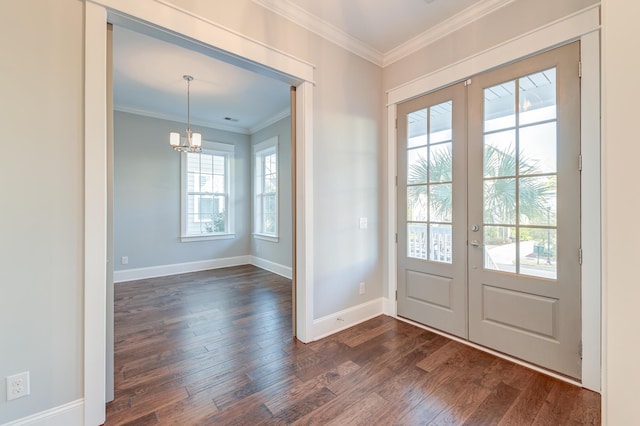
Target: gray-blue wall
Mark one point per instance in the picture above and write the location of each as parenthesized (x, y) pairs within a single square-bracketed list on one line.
[(147, 195)]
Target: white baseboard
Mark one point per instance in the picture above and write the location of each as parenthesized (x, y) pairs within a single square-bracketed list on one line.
[(325, 326), (276, 268), (178, 268), (70, 414)]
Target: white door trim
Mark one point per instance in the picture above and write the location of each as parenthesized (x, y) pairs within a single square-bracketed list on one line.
[(584, 26), (243, 51)]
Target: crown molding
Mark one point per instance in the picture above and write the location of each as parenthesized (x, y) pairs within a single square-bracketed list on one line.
[(269, 121), (472, 13), (301, 17), (170, 117), (306, 20)]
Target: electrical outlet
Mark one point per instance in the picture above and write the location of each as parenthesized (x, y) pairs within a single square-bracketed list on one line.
[(18, 386), (363, 223), (125, 260), (361, 288)]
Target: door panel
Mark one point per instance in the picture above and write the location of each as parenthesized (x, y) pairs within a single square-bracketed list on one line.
[(524, 196), (432, 210)]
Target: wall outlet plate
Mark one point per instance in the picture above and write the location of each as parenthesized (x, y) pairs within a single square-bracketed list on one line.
[(18, 386)]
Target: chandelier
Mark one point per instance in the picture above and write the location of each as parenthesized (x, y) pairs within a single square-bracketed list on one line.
[(192, 141)]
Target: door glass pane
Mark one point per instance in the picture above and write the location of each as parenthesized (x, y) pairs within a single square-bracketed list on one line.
[(440, 243), (500, 248), (417, 165), (417, 208), (440, 163), (417, 240), (440, 203), (440, 122), (417, 128), (538, 249), (499, 154), (500, 201), (537, 200), (499, 106), (538, 147), (537, 97)]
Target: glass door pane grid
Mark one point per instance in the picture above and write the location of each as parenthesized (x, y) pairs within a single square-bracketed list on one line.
[(522, 172), (430, 239)]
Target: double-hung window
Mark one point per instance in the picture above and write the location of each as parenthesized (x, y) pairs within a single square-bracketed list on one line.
[(206, 193), (265, 187)]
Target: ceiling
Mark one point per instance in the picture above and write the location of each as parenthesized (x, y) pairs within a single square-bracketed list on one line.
[(148, 71)]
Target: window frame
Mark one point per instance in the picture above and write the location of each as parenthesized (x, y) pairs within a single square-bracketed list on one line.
[(260, 152), (208, 148)]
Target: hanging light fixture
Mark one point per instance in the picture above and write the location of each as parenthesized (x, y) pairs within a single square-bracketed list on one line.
[(193, 141)]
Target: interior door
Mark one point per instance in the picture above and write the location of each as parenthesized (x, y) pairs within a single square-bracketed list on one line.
[(524, 210), (432, 209)]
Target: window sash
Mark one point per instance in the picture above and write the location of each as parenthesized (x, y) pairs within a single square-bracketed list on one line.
[(206, 192), (266, 188)]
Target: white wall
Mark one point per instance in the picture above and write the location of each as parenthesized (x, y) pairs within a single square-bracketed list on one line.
[(147, 195), (621, 150), (41, 226), (279, 252)]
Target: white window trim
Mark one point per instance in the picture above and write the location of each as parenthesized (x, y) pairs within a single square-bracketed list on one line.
[(210, 148), (271, 143)]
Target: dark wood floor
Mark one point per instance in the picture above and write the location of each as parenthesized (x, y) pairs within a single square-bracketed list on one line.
[(215, 347)]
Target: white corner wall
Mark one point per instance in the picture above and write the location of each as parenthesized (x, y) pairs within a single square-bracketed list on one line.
[(621, 204)]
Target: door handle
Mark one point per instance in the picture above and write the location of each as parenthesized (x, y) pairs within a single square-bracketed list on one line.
[(475, 243)]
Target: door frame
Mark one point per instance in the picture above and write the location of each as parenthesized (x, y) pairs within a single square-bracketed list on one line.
[(155, 15), (584, 26)]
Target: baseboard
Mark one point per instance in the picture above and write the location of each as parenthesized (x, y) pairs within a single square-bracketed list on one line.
[(276, 268), (178, 268), (325, 326), (70, 414)]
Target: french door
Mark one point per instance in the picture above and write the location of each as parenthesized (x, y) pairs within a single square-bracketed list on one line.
[(489, 210)]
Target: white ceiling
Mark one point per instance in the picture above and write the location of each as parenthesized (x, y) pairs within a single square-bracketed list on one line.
[(148, 71)]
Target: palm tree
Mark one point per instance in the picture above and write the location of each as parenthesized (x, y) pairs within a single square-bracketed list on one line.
[(499, 194)]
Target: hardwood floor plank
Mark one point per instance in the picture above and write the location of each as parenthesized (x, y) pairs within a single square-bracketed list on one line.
[(215, 347)]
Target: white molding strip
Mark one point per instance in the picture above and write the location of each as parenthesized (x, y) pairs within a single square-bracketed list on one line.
[(310, 22), (170, 117), (69, 414), (178, 268), (276, 268), (474, 12), (338, 321), (568, 28), (269, 121)]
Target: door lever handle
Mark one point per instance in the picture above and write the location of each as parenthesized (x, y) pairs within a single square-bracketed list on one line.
[(475, 243)]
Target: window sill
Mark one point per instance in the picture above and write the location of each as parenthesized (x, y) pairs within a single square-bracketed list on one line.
[(264, 237), (193, 238)]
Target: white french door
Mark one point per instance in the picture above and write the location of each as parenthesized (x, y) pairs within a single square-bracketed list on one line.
[(489, 249)]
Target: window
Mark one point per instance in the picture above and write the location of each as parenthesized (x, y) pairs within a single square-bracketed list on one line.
[(265, 190), (206, 193)]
